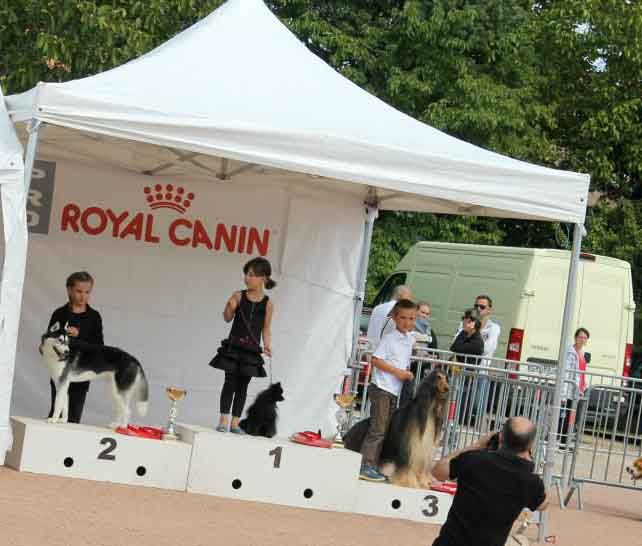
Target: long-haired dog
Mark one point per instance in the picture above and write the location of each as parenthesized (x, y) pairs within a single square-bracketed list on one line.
[(73, 362), (412, 434), (262, 415)]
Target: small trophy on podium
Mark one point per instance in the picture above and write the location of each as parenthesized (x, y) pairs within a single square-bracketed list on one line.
[(175, 395), (344, 415)]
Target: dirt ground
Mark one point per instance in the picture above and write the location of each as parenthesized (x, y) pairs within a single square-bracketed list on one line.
[(42, 510)]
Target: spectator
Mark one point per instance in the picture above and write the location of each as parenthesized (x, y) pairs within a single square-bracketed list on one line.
[(490, 332), (468, 345), (380, 319), (575, 381), (493, 487)]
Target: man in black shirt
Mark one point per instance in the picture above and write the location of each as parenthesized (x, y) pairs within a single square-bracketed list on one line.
[(493, 487), (84, 325)]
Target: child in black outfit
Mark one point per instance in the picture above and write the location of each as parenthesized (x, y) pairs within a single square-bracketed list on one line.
[(240, 354), (84, 324)]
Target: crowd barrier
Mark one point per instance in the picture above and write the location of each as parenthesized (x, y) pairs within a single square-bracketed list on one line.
[(599, 433), (604, 434)]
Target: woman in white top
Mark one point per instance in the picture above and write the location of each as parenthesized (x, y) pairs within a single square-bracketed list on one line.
[(574, 380)]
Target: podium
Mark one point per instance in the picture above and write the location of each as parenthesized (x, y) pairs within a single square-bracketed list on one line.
[(99, 454), (392, 501), (276, 470), (272, 470)]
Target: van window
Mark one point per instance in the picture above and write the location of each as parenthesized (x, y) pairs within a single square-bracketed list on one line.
[(385, 293)]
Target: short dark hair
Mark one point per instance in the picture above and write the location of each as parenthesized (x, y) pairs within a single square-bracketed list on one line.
[(517, 442), (472, 314), (485, 297), (401, 305), (79, 276), (582, 331), (262, 268)]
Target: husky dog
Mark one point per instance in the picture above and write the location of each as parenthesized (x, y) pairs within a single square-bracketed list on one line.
[(70, 363)]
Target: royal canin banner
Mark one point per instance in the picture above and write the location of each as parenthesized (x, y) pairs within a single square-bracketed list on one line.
[(166, 253), (157, 210)]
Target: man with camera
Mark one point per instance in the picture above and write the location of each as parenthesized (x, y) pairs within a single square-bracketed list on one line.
[(495, 482)]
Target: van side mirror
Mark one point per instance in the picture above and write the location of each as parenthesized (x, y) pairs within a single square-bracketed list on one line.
[(587, 357)]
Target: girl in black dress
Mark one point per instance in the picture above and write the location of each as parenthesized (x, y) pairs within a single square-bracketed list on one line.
[(240, 354)]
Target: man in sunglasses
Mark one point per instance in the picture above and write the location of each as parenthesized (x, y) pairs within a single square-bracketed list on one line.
[(490, 330)]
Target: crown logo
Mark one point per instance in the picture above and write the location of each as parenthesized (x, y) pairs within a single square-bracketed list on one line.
[(168, 197)]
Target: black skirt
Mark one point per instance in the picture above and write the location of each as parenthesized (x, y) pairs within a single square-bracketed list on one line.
[(237, 360)]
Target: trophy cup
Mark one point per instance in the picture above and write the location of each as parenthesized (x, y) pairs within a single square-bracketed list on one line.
[(175, 395), (344, 415)]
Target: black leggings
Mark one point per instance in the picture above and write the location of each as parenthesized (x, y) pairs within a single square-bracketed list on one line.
[(76, 394), (235, 386)]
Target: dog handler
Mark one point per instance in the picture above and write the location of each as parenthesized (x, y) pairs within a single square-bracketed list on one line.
[(84, 324), (240, 354)]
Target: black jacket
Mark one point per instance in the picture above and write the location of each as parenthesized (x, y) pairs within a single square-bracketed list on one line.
[(465, 345)]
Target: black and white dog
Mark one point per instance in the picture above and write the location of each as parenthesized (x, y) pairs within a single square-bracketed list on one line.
[(70, 363)]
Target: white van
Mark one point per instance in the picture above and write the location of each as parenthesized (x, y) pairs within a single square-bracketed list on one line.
[(528, 289)]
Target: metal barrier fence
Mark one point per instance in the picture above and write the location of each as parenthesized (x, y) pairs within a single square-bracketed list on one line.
[(606, 436), (599, 433)]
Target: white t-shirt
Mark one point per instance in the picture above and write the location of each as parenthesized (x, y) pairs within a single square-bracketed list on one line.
[(379, 323), (395, 349)]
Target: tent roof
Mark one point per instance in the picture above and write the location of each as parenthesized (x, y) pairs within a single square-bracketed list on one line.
[(239, 85)]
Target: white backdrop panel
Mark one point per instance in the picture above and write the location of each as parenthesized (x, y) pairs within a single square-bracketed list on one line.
[(161, 284)]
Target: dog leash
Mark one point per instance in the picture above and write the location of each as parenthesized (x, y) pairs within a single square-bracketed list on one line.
[(269, 363)]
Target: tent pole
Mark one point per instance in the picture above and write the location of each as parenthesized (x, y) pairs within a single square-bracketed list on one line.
[(30, 154), (569, 306), (372, 212)]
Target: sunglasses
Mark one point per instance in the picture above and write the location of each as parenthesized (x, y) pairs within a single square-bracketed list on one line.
[(480, 306)]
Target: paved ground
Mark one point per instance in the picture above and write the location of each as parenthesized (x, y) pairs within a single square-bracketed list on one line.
[(38, 510)]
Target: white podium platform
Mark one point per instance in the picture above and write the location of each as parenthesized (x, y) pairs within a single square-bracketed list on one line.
[(271, 470), (99, 454), (204, 461), (422, 505)]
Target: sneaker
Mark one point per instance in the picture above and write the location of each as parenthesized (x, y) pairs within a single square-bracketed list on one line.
[(237, 430), (221, 428), (371, 474)]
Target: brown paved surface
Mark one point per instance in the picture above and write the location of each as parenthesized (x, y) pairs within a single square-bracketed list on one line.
[(38, 510)]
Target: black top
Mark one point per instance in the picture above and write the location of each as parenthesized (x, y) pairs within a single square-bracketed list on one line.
[(465, 345), (493, 487), (89, 323), (249, 319)]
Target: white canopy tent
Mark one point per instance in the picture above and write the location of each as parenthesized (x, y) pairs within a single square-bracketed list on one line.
[(12, 194), (237, 93)]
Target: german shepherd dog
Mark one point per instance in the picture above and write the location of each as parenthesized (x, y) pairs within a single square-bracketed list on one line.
[(412, 434), (73, 362)]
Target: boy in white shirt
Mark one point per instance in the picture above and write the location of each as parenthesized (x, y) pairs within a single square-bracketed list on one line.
[(391, 361)]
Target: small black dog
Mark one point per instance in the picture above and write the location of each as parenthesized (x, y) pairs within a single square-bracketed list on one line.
[(261, 416)]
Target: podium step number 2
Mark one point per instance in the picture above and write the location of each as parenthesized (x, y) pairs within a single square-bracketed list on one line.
[(95, 453)]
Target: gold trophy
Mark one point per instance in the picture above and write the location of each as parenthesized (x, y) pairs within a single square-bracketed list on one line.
[(175, 395), (344, 415)]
